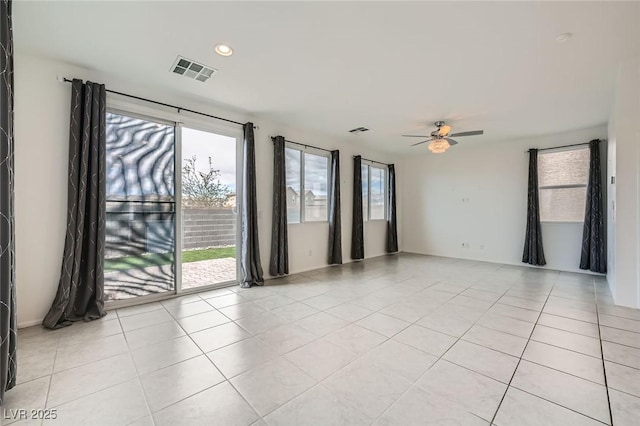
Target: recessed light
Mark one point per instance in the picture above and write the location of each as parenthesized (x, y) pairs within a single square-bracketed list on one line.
[(223, 50), (563, 37)]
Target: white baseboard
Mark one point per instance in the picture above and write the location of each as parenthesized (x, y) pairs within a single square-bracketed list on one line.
[(26, 324), (315, 268), (501, 262)]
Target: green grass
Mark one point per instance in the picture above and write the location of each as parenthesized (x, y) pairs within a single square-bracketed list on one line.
[(206, 254), (157, 259)]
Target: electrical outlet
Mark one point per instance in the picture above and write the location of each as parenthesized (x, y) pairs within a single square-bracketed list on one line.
[(310, 252), (465, 245)]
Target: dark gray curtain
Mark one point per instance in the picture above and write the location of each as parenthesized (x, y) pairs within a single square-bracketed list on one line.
[(81, 287), (357, 231), (8, 326), (392, 225), (335, 231), (594, 254), (533, 252), (279, 262), (250, 267)]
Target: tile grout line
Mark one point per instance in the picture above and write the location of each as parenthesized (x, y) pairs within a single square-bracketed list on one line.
[(53, 367), (531, 362), (137, 378), (460, 338), (227, 379), (443, 354), (138, 375), (604, 368), (620, 329), (361, 356), (523, 351), (135, 368), (620, 363), (566, 408), (358, 356)]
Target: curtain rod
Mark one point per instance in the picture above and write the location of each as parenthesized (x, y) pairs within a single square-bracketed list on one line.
[(563, 146), (303, 144), (66, 80), (373, 161)]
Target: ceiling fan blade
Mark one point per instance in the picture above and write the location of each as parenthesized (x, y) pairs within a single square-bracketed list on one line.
[(451, 141), (420, 142), (416, 136), (470, 133)]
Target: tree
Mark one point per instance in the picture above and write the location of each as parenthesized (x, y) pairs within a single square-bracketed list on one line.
[(203, 188)]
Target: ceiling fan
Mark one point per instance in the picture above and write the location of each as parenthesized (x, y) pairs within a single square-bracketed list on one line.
[(440, 139)]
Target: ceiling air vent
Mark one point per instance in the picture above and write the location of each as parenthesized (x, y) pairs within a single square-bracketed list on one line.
[(191, 69), (358, 130)]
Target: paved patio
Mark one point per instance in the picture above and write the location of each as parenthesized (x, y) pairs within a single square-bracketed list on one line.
[(157, 279)]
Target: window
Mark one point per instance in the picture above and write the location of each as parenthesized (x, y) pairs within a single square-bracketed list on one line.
[(562, 180), (374, 192), (307, 177)]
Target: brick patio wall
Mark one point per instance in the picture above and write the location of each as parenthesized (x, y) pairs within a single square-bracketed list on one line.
[(208, 227)]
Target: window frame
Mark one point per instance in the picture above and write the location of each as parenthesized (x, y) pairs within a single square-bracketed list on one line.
[(313, 151), (385, 171), (566, 186)]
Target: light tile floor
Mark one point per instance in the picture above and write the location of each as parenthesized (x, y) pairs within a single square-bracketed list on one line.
[(397, 340)]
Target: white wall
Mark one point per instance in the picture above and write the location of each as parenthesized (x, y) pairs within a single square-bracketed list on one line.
[(476, 193), (41, 128), (624, 195)]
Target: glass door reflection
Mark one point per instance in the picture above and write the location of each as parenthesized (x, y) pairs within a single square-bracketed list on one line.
[(140, 208)]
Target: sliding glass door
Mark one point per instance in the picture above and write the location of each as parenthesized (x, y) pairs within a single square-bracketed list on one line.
[(168, 230), (208, 209), (141, 207)]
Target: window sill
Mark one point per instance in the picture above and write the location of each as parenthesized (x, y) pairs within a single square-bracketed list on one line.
[(562, 221)]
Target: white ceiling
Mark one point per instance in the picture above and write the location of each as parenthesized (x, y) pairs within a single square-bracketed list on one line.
[(390, 66)]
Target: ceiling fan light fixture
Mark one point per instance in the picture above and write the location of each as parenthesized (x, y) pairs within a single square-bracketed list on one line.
[(444, 130), (438, 146)]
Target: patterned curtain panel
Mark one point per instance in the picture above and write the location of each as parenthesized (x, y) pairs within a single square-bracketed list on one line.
[(279, 261), (80, 293), (335, 226), (392, 225), (594, 253), (357, 231), (250, 267), (8, 324), (533, 252)]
